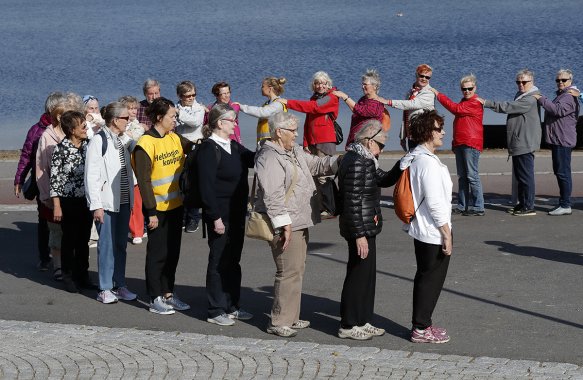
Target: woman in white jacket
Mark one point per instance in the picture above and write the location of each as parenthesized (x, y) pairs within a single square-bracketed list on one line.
[(431, 226), (109, 187)]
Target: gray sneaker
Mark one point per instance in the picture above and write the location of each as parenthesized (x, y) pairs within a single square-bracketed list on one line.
[(561, 211), (176, 303), (221, 320), (241, 315), (158, 306)]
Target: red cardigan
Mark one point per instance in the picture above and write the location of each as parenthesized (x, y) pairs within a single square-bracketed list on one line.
[(467, 125), (319, 127)]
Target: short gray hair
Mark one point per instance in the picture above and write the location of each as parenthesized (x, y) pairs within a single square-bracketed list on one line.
[(113, 110), (321, 76), (468, 78), (281, 120), (53, 99), (525, 73), (565, 71), (373, 77), (369, 128), (150, 83)]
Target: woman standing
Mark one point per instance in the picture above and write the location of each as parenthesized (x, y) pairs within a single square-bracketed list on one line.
[(287, 194), (158, 162), (368, 106), (272, 88), (360, 180), (222, 165), (67, 191), (222, 93), (431, 227), (109, 182)]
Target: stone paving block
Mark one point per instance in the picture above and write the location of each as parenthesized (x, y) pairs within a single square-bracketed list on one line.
[(456, 358), (302, 345), (554, 368), (425, 356), (384, 353), (488, 360)]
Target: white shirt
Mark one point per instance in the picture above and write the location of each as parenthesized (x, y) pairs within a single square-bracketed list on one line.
[(223, 143)]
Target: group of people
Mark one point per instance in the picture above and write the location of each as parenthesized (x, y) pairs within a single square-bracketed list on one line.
[(118, 168)]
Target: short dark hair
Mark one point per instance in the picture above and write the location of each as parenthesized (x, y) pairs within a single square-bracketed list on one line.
[(158, 108), (217, 87), (69, 120), (422, 126)]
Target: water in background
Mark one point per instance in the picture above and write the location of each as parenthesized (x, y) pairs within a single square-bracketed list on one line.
[(108, 48)]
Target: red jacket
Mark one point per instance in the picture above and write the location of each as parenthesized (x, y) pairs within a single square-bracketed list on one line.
[(319, 127), (467, 125)]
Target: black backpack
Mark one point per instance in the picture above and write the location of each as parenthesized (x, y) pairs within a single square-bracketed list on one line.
[(188, 180)]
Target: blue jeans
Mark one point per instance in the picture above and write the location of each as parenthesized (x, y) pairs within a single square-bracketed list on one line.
[(562, 170), (523, 166), (470, 193), (111, 248)]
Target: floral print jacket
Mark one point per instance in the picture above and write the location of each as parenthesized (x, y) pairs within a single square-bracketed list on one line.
[(67, 170)]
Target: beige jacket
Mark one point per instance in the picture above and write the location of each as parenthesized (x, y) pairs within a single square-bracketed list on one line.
[(275, 168)]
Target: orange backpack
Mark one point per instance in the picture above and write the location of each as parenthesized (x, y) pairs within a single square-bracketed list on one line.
[(403, 198)]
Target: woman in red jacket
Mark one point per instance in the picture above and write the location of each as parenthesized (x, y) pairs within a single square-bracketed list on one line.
[(468, 141), (321, 111)]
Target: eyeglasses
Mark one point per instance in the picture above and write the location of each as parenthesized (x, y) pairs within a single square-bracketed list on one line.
[(523, 82), (439, 130), (381, 145), (424, 76), (225, 93), (189, 95), (88, 98), (126, 118), (294, 131), (467, 89), (563, 80), (231, 120)]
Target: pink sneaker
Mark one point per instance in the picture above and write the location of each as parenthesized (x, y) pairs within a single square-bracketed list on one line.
[(429, 335)]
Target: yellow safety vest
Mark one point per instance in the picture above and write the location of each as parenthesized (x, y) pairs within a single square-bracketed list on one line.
[(167, 158), (263, 127)]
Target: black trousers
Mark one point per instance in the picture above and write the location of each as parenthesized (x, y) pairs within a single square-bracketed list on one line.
[(76, 226), (432, 267), (163, 252), (42, 238), (223, 274), (358, 292)]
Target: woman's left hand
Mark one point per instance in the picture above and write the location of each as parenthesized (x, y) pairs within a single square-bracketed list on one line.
[(447, 246), (286, 236), (362, 247)]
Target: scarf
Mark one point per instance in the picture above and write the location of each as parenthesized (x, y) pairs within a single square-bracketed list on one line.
[(359, 149)]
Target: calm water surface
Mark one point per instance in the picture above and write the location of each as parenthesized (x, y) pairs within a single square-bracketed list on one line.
[(109, 48)]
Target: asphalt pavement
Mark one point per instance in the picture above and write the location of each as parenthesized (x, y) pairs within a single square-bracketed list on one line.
[(512, 302)]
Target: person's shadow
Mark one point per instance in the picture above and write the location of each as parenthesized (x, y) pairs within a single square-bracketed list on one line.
[(541, 253)]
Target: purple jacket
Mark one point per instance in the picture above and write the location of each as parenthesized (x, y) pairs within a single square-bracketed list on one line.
[(28, 152), (561, 119)]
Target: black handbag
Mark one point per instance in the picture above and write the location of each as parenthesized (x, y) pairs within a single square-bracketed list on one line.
[(331, 201), (30, 188), (337, 130)]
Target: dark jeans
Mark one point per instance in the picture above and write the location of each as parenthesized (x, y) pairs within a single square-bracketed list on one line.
[(76, 226), (163, 252), (358, 292), (523, 166), (43, 238), (191, 214), (223, 274), (432, 267), (562, 170)]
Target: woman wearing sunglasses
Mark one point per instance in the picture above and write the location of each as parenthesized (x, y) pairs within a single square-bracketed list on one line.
[(360, 180), (468, 142), (430, 228)]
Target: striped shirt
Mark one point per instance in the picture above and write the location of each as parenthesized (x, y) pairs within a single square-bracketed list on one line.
[(124, 183)]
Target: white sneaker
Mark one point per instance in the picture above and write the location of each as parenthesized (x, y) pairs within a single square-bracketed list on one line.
[(137, 240), (158, 306), (355, 333), (561, 211), (106, 296), (124, 294)]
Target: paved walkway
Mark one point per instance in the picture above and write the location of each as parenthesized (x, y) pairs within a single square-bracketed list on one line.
[(48, 350)]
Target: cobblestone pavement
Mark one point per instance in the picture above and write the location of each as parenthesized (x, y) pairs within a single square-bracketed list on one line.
[(36, 350)]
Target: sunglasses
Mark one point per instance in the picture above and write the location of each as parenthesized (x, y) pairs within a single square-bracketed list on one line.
[(468, 89), (440, 129), (126, 118), (562, 80), (189, 95), (523, 82), (381, 145), (294, 131), (424, 76), (231, 120)]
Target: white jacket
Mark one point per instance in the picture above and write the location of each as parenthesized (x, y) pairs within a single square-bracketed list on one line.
[(102, 173), (432, 187), (190, 120)]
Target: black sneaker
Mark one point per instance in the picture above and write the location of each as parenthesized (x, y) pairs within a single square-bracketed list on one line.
[(473, 213), (44, 266), (457, 211), (70, 285), (86, 283), (192, 226), (524, 212)]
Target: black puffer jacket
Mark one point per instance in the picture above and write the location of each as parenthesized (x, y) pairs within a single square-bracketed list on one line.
[(359, 184)]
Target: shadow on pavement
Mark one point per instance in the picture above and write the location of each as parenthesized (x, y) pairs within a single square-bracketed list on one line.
[(541, 253)]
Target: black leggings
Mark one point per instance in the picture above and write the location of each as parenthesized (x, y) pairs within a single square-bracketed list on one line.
[(76, 226), (432, 267)]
